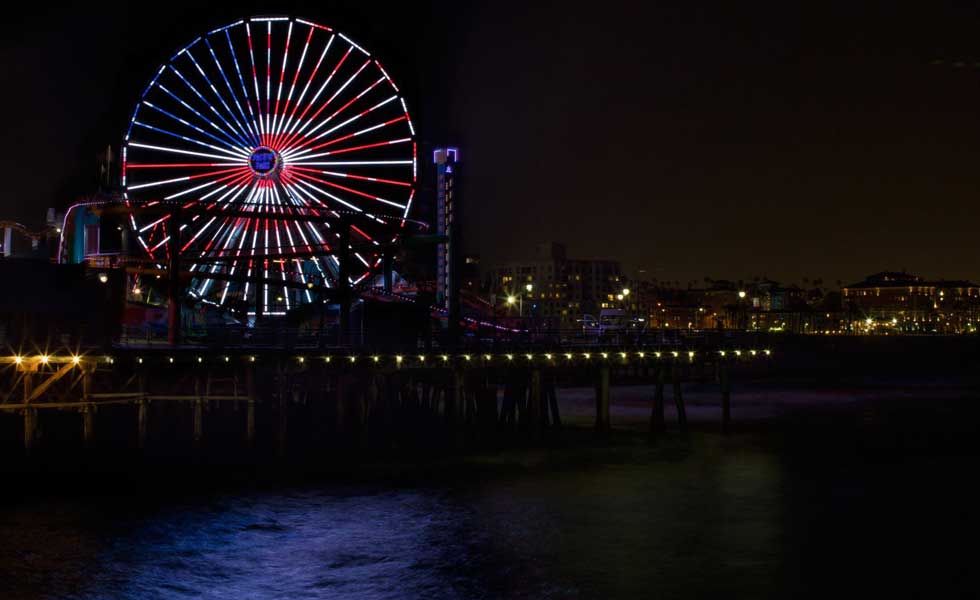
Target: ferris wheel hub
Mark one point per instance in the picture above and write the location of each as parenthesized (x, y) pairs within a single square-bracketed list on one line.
[(264, 161)]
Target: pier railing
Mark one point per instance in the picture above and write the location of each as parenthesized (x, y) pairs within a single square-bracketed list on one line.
[(330, 336)]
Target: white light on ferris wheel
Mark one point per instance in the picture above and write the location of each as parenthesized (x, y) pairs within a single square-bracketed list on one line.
[(241, 123)]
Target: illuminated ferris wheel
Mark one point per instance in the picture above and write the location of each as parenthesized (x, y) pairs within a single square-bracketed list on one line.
[(267, 132)]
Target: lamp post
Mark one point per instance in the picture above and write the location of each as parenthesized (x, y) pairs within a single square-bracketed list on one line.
[(741, 310), (519, 299), (493, 317)]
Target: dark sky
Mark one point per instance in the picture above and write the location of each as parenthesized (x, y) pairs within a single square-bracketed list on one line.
[(689, 140)]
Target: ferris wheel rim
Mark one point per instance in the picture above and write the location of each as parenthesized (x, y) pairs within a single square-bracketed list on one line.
[(231, 145)]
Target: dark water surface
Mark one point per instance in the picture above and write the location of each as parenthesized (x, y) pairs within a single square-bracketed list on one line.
[(826, 506)]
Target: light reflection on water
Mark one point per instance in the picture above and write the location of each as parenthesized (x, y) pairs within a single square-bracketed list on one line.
[(624, 528), (879, 512)]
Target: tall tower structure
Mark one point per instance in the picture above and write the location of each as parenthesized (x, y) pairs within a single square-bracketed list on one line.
[(447, 224)]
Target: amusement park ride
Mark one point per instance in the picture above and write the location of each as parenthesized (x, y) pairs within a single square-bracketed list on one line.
[(270, 163)]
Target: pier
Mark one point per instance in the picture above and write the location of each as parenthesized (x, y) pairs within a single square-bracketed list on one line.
[(282, 402)]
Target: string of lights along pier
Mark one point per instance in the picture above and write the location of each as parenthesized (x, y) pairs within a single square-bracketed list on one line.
[(272, 116), (556, 358)]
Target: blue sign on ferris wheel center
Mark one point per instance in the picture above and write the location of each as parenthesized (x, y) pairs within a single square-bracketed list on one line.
[(263, 160)]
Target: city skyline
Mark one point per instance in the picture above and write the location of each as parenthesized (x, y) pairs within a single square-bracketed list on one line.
[(636, 272)]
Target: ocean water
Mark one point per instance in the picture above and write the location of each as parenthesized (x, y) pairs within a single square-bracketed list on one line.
[(870, 499)]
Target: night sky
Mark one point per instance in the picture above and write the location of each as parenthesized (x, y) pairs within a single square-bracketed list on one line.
[(687, 141)]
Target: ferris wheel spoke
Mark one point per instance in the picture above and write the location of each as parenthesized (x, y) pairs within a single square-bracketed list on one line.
[(358, 133), (236, 173), (352, 149), (282, 76), (320, 262), (243, 159), (328, 102), (242, 228), (232, 188), (230, 154), (313, 100), (408, 206), (305, 181), (350, 190), (227, 139), (239, 127), (255, 82), (179, 165), (345, 175), (292, 185), (243, 238), (268, 77), (363, 235), (363, 261), (194, 237), (354, 163), (241, 81), (292, 86), (340, 90), (299, 101), (281, 262), (191, 125), (315, 233), (231, 131), (217, 233), (297, 150), (265, 261), (247, 123), (220, 240), (349, 102)]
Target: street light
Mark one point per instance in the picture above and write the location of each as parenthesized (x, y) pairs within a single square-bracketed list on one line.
[(626, 291), (741, 324), (511, 299)]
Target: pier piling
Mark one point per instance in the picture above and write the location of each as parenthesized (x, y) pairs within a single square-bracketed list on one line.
[(657, 409), (88, 425), (602, 400), (726, 397), (675, 373)]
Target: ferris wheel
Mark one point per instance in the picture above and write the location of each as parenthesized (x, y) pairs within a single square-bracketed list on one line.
[(268, 131)]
